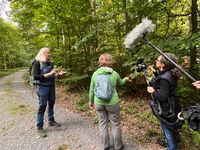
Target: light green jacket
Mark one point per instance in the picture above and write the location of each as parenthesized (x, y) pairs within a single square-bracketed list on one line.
[(114, 78)]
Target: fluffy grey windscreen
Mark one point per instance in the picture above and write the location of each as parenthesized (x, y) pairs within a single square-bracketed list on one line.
[(145, 27)]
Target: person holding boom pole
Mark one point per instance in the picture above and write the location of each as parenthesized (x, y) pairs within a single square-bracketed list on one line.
[(163, 89)]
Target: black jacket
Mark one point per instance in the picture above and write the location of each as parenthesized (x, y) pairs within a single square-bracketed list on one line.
[(164, 96)]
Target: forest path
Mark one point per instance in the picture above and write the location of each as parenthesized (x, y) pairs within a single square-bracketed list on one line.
[(18, 107)]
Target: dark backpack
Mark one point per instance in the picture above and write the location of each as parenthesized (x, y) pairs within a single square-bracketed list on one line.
[(192, 115), (32, 81)]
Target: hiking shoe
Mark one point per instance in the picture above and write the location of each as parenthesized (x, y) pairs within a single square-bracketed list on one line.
[(41, 132), (54, 124)]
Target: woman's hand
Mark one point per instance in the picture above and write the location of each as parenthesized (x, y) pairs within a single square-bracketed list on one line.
[(197, 84), (91, 106), (151, 69), (53, 72), (150, 89), (127, 79), (62, 73), (50, 74)]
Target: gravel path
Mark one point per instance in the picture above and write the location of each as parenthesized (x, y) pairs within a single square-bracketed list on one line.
[(18, 107)]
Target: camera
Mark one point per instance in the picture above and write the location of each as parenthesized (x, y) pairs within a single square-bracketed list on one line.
[(141, 66)]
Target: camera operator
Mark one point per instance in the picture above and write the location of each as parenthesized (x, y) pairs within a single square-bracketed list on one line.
[(164, 103)]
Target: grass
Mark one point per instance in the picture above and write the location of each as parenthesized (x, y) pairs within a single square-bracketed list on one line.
[(196, 136), (63, 147), (190, 139), (20, 109), (6, 72)]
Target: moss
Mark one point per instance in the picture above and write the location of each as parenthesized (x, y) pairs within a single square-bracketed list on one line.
[(16, 109)]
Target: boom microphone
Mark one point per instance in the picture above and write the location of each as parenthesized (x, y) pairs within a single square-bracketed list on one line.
[(140, 31)]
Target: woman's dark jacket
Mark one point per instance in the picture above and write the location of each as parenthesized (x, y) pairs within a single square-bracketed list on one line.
[(39, 69), (164, 96)]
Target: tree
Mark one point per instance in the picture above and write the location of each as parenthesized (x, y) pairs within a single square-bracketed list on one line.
[(79, 30), (194, 30), (11, 54)]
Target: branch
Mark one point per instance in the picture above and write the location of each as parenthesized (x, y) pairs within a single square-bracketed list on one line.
[(178, 15)]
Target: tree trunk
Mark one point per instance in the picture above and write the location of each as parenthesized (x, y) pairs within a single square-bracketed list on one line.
[(5, 62), (193, 29), (126, 16), (96, 42)]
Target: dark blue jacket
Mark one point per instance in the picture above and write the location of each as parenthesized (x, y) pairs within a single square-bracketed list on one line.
[(39, 69)]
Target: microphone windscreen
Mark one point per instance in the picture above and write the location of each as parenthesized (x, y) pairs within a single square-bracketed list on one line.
[(141, 30)]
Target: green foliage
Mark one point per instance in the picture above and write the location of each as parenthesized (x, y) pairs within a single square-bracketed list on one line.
[(11, 54), (187, 93), (79, 31), (79, 80)]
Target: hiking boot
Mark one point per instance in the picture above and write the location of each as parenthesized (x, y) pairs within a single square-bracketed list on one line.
[(54, 124), (41, 132)]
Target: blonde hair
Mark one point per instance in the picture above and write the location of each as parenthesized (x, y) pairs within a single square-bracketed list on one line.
[(41, 55), (105, 60)]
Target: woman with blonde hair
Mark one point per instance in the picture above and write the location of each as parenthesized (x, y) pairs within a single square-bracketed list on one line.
[(44, 74), (107, 109)]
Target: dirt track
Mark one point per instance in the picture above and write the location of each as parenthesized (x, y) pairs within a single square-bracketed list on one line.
[(18, 107)]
